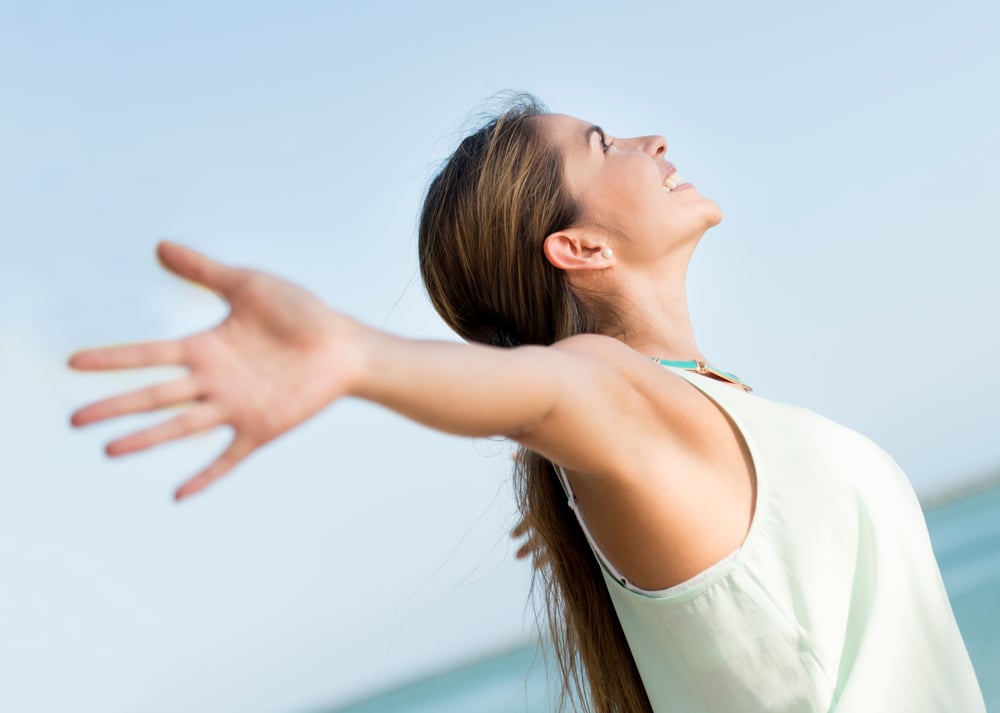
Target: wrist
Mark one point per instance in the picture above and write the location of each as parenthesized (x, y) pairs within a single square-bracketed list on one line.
[(352, 350), (343, 357)]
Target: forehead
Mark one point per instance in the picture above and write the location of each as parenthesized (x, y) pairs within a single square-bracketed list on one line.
[(572, 138), (568, 132)]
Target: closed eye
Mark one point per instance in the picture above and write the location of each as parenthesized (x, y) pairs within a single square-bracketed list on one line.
[(595, 129), (605, 145)]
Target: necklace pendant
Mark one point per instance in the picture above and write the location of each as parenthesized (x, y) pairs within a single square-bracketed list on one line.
[(709, 370), (700, 367)]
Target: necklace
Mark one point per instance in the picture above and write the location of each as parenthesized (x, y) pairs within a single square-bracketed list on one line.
[(700, 367)]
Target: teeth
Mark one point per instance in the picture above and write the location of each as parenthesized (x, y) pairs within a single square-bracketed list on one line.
[(673, 181)]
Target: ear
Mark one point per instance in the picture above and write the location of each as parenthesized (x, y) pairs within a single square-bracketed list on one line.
[(577, 249)]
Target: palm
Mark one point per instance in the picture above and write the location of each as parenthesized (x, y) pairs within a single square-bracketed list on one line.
[(268, 366)]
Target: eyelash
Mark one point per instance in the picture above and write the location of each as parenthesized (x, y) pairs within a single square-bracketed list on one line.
[(605, 146)]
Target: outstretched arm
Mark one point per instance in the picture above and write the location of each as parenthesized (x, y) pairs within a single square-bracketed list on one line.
[(281, 355)]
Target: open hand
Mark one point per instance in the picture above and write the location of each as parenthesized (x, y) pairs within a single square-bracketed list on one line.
[(278, 357)]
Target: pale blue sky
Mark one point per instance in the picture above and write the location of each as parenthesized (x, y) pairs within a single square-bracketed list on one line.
[(851, 147)]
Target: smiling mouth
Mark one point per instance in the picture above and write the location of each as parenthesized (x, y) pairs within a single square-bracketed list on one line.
[(672, 181)]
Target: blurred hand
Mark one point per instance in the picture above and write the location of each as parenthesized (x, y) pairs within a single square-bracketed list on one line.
[(280, 356), (531, 547)]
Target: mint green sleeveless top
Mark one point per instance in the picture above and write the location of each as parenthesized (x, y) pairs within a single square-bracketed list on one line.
[(834, 601)]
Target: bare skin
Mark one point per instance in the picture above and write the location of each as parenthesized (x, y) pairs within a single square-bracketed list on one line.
[(661, 476)]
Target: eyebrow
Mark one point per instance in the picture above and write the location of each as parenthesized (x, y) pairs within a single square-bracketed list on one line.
[(592, 130)]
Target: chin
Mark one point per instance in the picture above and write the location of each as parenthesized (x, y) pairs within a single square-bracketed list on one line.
[(712, 215)]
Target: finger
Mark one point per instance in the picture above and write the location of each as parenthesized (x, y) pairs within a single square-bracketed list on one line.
[(519, 529), (194, 420), (192, 265), (238, 450), (532, 545), (539, 557), (147, 399), (129, 356)]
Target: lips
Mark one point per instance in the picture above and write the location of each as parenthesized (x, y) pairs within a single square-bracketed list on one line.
[(672, 180)]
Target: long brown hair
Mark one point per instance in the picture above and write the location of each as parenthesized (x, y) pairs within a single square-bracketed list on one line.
[(483, 224)]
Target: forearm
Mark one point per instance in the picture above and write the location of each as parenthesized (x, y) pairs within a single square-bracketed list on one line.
[(468, 390)]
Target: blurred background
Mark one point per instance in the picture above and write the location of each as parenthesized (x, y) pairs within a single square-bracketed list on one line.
[(852, 148)]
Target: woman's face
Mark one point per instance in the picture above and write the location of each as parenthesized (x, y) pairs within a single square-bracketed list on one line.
[(620, 183)]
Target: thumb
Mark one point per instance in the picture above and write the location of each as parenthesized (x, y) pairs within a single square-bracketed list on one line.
[(192, 265)]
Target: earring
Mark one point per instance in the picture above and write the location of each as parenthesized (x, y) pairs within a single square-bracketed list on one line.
[(607, 253)]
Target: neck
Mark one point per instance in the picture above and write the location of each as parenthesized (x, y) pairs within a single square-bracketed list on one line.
[(655, 309)]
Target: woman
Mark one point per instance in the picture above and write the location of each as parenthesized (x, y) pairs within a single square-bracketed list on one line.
[(701, 548)]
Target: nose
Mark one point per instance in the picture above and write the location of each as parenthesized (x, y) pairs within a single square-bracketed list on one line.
[(655, 145)]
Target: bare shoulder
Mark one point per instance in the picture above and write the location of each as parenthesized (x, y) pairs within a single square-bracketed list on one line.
[(682, 490), (617, 413), (611, 350), (674, 403), (596, 344), (640, 369)]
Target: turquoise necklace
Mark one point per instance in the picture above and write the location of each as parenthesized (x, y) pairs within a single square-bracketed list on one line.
[(700, 367)]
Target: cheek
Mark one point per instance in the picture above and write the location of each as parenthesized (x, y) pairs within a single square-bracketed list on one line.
[(634, 199), (628, 200)]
